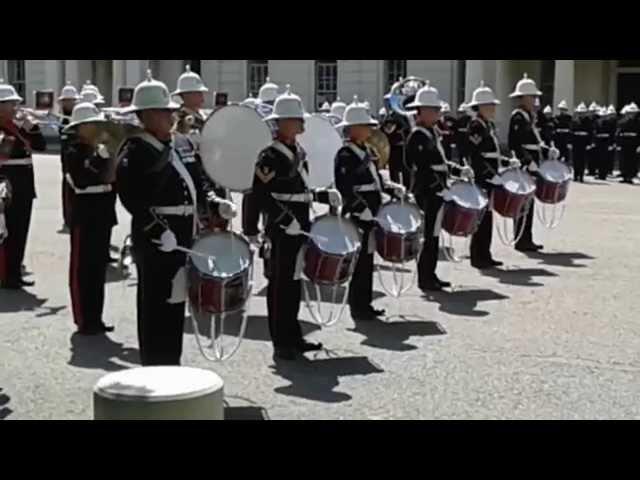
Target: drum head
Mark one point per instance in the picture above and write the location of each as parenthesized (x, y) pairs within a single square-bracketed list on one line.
[(468, 195), (231, 140), (518, 182), (400, 217), (335, 235), (321, 142), (554, 171), (231, 254)]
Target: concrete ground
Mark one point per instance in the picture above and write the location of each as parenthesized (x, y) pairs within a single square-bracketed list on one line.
[(549, 336)]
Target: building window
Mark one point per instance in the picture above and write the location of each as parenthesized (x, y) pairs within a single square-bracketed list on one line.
[(16, 76), (394, 69), (547, 77), (461, 85), (194, 64), (326, 81), (257, 73)]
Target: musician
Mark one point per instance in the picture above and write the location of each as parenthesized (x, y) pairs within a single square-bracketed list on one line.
[(19, 136), (426, 156), (446, 126), (525, 141), (160, 184), (281, 193), (67, 100), (581, 141), (5, 198), (397, 128), (605, 130), (562, 130), (591, 121), (361, 186), (90, 174), (629, 141), (546, 126), (484, 152), (461, 132)]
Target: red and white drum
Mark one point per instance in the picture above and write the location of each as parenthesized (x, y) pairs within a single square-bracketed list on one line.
[(552, 182), (399, 232), (331, 254), (222, 285), (464, 207), (513, 193)]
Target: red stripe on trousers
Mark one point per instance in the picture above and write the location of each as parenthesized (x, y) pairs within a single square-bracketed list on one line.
[(76, 303)]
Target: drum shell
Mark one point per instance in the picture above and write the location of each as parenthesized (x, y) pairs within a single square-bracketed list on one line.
[(508, 204), (551, 192), (218, 295), (460, 221), (398, 247), (327, 269)]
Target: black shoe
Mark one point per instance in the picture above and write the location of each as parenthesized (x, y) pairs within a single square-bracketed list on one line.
[(26, 283), (527, 247), (363, 316), (112, 260), (376, 312), (305, 346), (431, 286), (496, 263), (96, 330), (481, 264), (284, 353), (443, 283)]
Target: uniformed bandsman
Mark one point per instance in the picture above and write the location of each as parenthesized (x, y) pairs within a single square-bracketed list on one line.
[(462, 132), (67, 100), (628, 139), (160, 184), (426, 156), (486, 160), (447, 129), (592, 121), (604, 138), (562, 131), (361, 186), (581, 141), (20, 135), (90, 175), (281, 193), (525, 141), (546, 126)]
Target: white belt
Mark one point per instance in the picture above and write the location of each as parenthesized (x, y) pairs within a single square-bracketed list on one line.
[(293, 197), (182, 210), (628, 134), (562, 130), (371, 187), (531, 147), (106, 188), (17, 161), (463, 129), (581, 134), (440, 168), (603, 135), (490, 154)]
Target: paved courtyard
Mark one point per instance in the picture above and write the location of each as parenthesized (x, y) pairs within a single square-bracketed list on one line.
[(549, 336)]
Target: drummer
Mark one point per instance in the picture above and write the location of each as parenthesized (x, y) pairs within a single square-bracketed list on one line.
[(361, 186), (160, 186), (426, 156), (484, 151), (280, 191)]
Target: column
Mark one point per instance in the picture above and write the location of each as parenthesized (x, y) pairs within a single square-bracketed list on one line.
[(477, 71), (564, 83), (72, 69), (135, 71)]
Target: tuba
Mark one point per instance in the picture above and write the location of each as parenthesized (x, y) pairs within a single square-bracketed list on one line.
[(403, 91)]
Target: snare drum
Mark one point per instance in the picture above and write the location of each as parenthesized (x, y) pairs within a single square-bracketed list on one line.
[(464, 207), (224, 285), (553, 182), (511, 196), (399, 232), (331, 253)]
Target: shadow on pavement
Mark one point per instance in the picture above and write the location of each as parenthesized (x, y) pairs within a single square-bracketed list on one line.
[(247, 412), (50, 311), (326, 293), (394, 333), (13, 301), (386, 267), (257, 327), (601, 183), (99, 351), (316, 379), (518, 276), (464, 303), (560, 259), (115, 275), (4, 401)]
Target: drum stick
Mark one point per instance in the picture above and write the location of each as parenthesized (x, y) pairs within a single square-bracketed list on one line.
[(212, 263)]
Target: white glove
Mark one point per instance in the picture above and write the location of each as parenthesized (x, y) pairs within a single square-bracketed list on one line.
[(168, 242), (227, 209), (532, 167), (514, 163), (638, 150), (366, 215), (294, 228), (554, 153), (102, 151), (4, 233), (255, 241), (399, 190), (466, 173), (335, 199)]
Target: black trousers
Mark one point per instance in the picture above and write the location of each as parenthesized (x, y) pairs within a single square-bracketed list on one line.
[(527, 234), (397, 167), (563, 148), (602, 163), (361, 284), (579, 159), (480, 248), (428, 259), (592, 161), (18, 220), (629, 167), (66, 202), (283, 292), (87, 273), (160, 323)]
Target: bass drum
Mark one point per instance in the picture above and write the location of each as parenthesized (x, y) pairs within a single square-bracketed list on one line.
[(321, 142), (231, 139)]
